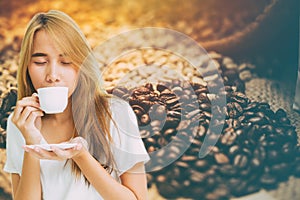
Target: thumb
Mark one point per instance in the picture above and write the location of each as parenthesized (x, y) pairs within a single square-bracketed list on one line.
[(80, 140)]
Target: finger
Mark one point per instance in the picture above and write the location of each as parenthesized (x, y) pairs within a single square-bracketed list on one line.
[(16, 113), (67, 153), (29, 101), (39, 152), (33, 115), (61, 153), (32, 151), (27, 111), (78, 147), (44, 154), (80, 140), (21, 104)]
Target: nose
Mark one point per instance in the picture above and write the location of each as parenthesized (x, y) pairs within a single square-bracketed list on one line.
[(52, 75)]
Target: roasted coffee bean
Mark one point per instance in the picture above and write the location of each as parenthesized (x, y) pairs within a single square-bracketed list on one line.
[(189, 159), (167, 93), (205, 107), (258, 120), (272, 156), (241, 100), (161, 141), (280, 113), (233, 150), (267, 128), (171, 122), (138, 110), (251, 107), (228, 170), (182, 165), (145, 119), (197, 177), (149, 86), (170, 132), (268, 181), (201, 90), (151, 141), (201, 165), (221, 158), (172, 101), (174, 114), (192, 114), (203, 97), (240, 161), (158, 112), (228, 138), (150, 148)]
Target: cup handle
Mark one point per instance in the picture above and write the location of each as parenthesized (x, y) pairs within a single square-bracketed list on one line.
[(35, 94)]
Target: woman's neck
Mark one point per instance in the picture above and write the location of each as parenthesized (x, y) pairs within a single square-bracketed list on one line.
[(59, 127), (60, 118)]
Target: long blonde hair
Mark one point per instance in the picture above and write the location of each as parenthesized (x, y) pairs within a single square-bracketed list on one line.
[(90, 104)]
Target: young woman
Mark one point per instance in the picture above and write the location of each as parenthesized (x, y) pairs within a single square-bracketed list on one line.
[(108, 159)]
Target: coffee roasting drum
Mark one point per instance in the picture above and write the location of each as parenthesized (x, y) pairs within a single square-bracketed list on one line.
[(178, 108)]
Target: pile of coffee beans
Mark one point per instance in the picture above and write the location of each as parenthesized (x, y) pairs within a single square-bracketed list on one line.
[(150, 65), (257, 147)]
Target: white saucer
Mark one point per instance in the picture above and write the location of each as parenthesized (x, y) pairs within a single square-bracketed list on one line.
[(47, 147)]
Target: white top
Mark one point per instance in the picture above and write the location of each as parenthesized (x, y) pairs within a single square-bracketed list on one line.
[(57, 181)]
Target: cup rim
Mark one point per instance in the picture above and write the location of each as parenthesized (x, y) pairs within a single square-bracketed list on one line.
[(56, 87)]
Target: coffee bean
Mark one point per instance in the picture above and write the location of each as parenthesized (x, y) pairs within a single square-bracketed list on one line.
[(240, 160), (145, 119), (138, 110), (197, 177), (188, 159), (280, 113), (221, 158), (272, 156), (268, 181)]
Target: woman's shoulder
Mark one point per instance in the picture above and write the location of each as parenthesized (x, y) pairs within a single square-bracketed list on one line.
[(117, 104)]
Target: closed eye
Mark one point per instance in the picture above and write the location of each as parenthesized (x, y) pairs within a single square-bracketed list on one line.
[(66, 63), (40, 63)]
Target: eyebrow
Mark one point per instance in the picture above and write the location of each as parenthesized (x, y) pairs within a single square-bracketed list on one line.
[(39, 55), (43, 55)]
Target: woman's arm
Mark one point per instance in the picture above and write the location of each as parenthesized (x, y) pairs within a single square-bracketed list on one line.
[(28, 186), (135, 179), (133, 185), (27, 118)]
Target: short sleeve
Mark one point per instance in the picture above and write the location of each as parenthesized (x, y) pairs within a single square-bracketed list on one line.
[(128, 148), (14, 151)]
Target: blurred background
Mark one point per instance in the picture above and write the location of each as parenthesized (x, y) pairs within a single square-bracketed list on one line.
[(264, 33)]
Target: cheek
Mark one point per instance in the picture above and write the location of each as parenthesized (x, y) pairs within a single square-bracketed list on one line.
[(35, 76), (73, 77)]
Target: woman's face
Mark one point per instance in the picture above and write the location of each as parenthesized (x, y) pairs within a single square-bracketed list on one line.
[(49, 67)]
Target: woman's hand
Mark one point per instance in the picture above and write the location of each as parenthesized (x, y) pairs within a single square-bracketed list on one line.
[(57, 153), (27, 117)]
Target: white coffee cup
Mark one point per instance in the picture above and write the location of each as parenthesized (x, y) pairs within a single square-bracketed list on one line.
[(53, 99)]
